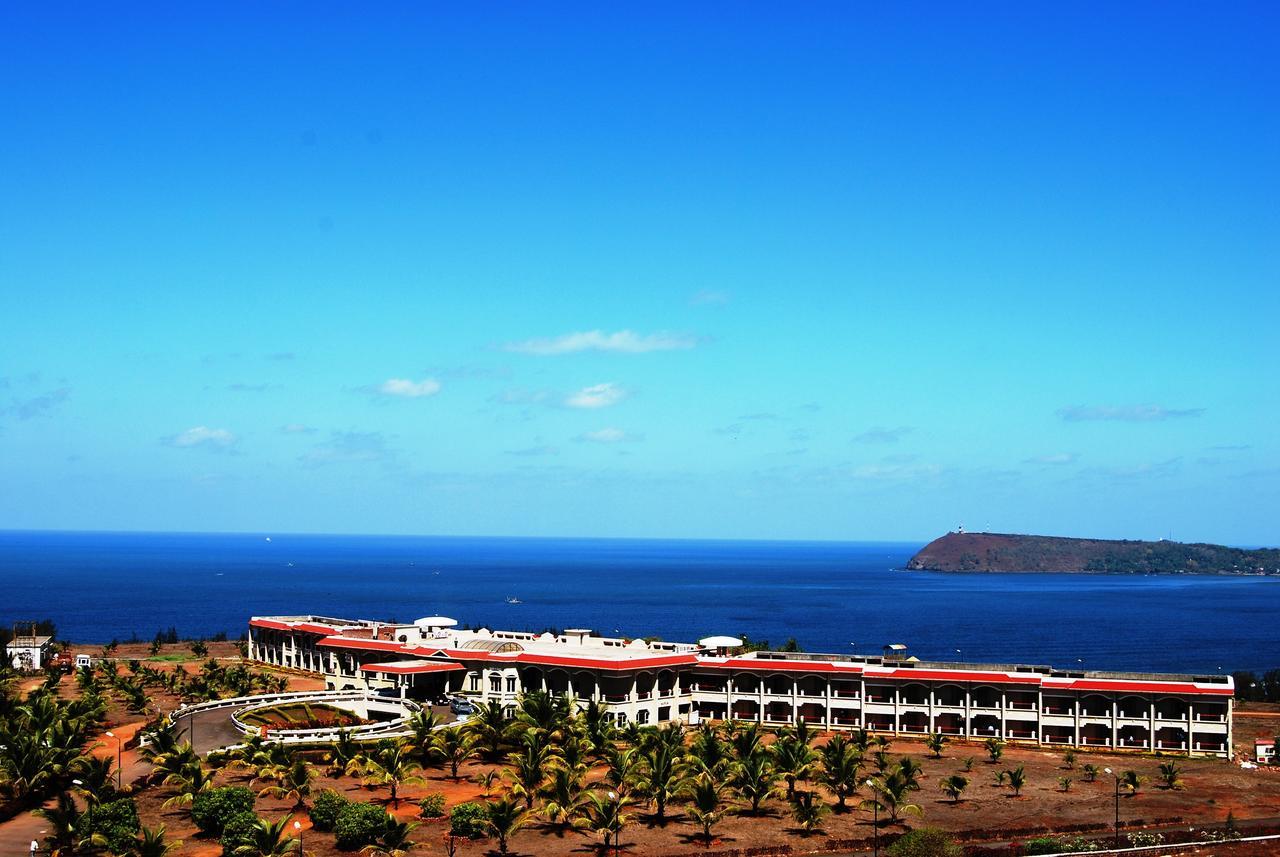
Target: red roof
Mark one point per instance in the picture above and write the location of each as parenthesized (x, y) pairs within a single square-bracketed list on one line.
[(270, 624), (1265, 742), (1105, 685), (307, 627), (767, 665), (366, 644), (655, 662), (404, 669)]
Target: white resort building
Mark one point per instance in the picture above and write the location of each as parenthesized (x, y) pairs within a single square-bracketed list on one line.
[(656, 682)]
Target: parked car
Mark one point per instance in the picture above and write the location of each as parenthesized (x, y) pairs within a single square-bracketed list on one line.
[(458, 705)]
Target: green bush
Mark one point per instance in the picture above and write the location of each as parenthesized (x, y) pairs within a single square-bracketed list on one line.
[(432, 805), (115, 821), (925, 842), (211, 810), (358, 825), (237, 831), (470, 820), (325, 808)]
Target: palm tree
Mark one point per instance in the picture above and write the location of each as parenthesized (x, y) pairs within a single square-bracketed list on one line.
[(545, 713), (995, 749), (604, 814), (793, 759), (705, 805), (530, 766), (295, 785), (392, 763), (707, 752), (394, 839), (910, 770), (489, 725), (62, 818), (269, 839), (455, 747), (150, 842), (1090, 772), (1017, 779), (599, 729), (745, 742), (506, 817), (624, 766), (423, 723), (190, 781), (1169, 772), (841, 763), (755, 780), (565, 799), (661, 772), (935, 743), (1064, 783), (892, 794), (1131, 782), (342, 753), (1069, 759), (96, 779), (954, 786), (809, 810)]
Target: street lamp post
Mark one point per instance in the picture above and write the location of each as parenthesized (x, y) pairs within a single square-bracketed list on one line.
[(297, 826), (1117, 821), (875, 819), (119, 756), (617, 828)]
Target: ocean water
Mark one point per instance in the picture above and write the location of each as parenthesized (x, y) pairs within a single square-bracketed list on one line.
[(832, 597)]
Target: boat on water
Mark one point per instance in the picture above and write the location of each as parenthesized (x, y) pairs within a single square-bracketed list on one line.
[(511, 599)]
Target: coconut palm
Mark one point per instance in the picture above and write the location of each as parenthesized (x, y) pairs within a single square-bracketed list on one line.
[(746, 742), (661, 771), (1169, 772), (954, 786), (392, 763), (189, 782), (1131, 782), (295, 785), (1017, 779), (539, 710), (455, 747), (623, 768), (936, 742), (808, 810), (841, 764), (1090, 772), (393, 840), (565, 799), (995, 749), (506, 817), (706, 805), (62, 818), (268, 839), (150, 842), (755, 780), (597, 727), (892, 794), (489, 725), (423, 723), (910, 770), (342, 752), (605, 814), (1064, 783), (97, 780), (707, 751), (530, 765), (794, 759)]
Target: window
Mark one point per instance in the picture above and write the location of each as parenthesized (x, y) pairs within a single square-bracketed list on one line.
[(642, 717), (511, 684), (475, 682), (495, 684), (622, 718)]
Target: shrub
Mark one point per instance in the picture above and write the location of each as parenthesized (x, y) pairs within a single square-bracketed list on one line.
[(925, 842), (358, 825), (212, 809), (325, 809), (470, 820), (432, 805), (237, 831), (115, 821)]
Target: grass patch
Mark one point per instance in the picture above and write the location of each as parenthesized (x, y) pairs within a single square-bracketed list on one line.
[(171, 659)]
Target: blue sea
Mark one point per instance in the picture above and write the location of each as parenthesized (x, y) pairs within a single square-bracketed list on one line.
[(831, 596)]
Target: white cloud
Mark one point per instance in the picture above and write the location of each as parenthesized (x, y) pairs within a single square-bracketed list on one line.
[(609, 434), (203, 436), (406, 389), (1125, 413), (1053, 458), (623, 342), (596, 396)]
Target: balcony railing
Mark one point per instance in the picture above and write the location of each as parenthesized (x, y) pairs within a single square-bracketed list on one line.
[(1021, 706), (1134, 715), (1210, 718), (613, 697), (1055, 709), (871, 697), (950, 730), (1171, 745), (845, 694), (644, 694), (1020, 733)]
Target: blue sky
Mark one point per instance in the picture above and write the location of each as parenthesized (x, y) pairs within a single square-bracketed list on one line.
[(713, 270)]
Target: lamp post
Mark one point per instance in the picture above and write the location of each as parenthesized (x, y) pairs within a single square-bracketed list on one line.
[(119, 756), (875, 822), (1117, 822), (297, 827)]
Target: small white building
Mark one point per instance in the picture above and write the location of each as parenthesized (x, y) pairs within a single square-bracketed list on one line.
[(1264, 750), (28, 653)]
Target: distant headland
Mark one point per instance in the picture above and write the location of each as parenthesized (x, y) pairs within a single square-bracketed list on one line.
[(1002, 552)]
